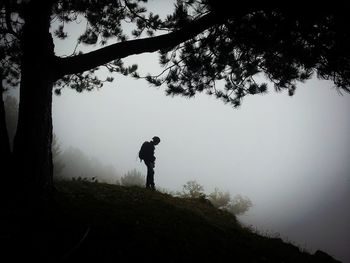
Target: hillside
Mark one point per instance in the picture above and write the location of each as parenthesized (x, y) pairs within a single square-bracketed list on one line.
[(95, 222)]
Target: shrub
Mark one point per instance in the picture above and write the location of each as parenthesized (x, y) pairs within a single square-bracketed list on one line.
[(239, 205), (192, 189), (219, 199)]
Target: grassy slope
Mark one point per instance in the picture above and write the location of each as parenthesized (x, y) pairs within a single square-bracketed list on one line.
[(108, 223)]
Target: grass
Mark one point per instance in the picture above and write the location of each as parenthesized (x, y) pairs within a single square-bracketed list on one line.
[(99, 222)]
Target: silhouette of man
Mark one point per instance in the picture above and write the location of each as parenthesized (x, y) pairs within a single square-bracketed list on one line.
[(147, 155)]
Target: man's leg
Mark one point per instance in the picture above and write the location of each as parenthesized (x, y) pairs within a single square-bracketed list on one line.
[(150, 176)]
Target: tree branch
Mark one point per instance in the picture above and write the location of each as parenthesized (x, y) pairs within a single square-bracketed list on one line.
[(10, 29), (84, 62)]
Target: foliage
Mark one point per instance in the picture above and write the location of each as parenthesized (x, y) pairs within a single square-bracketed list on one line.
[(284, 44), (133, 178), (221, 200), (192, 189), (239, 205)]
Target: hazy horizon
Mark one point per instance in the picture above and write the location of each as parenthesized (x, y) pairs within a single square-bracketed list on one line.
[(289, 155)]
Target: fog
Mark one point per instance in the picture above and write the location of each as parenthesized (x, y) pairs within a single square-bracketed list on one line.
[(289, 155)]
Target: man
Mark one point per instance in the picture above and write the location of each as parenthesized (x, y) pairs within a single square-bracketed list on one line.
[(146, 154)]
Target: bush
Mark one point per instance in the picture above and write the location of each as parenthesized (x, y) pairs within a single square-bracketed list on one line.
[(192, 189), (239, 205), (222, 200), (219, 199)]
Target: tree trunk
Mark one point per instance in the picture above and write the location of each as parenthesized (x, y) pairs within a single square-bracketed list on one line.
[(4, 139), (32, 144)]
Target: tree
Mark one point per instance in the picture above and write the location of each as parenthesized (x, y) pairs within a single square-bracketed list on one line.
[(11, 116), (5, 150), (222, 200), (192, 189), (11, 109), (219, 199), (58, 164), (239, 205), (202, 45)]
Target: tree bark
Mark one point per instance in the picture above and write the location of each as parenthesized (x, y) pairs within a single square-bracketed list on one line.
[(32, 144), (4, 138)]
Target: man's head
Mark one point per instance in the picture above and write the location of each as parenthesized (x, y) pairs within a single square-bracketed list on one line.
[(155, 140)]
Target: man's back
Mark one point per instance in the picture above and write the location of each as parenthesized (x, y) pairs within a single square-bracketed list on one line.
[(147, 152)]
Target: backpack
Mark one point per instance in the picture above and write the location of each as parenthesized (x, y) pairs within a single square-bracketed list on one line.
[(142, 152)]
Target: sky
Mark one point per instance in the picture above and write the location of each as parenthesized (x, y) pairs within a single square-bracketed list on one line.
[(288, 155)]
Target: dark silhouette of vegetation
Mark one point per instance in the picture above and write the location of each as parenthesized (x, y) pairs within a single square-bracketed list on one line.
[(202, 44), (95, 222)]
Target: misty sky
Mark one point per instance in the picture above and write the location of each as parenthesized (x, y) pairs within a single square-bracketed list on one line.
[(289, 155)]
